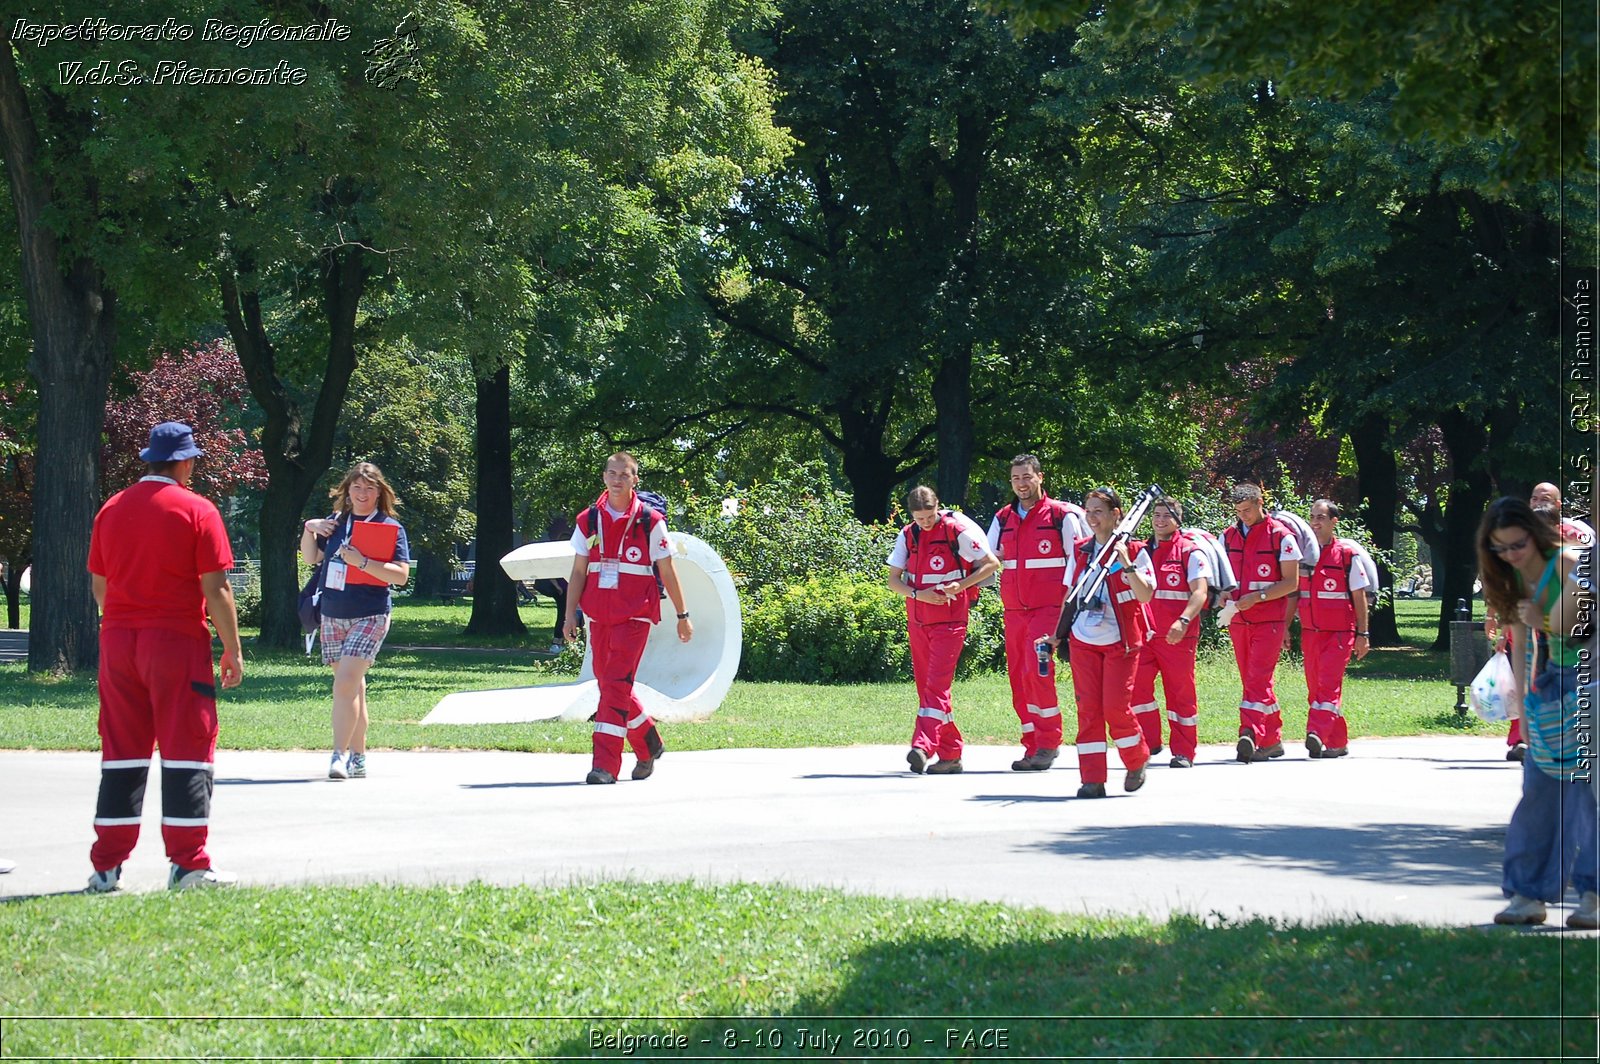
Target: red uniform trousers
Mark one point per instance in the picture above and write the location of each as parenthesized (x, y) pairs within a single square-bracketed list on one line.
[(1176, 665), (156, 690), (1326, 655), (1102, 685), (935, 649), (1256, 649), (1033, 696), (617, 649)]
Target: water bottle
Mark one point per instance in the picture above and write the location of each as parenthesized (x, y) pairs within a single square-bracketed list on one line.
[(1044, 659)]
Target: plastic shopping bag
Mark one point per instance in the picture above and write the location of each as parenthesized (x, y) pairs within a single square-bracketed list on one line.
[(1491, 690)]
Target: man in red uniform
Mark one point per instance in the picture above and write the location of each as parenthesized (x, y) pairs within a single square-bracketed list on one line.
[(617, 543), (1182, 578), (937, 563), (1265, 556), (159, 560), (1033, 537), (1333, 624)]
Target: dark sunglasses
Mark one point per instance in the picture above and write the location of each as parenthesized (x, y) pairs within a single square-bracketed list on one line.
[(1496, 548)]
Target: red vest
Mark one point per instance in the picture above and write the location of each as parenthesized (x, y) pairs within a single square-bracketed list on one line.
[(1133, 616), (931, 559), (1325, 603), (1171, 559), (1033, 550), (1255, 562), (625, 540)]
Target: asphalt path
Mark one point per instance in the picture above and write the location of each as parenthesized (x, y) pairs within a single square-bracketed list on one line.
[(1403, 830)]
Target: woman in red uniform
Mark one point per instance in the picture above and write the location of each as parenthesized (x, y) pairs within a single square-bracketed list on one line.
[(938, 561), (1107, 635)]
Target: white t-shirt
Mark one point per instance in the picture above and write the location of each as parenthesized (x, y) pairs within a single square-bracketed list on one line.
[(1072, 530), (969, 542), (1098, 626), (660, 544)]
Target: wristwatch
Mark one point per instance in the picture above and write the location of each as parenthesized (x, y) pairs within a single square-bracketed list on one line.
[(683, 616)]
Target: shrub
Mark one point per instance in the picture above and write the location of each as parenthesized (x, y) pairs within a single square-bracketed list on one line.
[(846, 628), (786, 530), (247, 596)]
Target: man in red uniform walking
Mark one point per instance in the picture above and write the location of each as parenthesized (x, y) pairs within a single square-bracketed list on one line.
[(618, 542), (1032, 537), (1333, 625), (159, 560), (1266, 558), (1182, 577)]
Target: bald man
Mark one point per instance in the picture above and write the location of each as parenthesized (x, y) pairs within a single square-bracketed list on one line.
[(1548, 497)]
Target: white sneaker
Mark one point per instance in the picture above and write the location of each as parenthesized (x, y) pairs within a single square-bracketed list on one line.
[(357, 766), (104, 882), (192, 879), (7, 866), (1521, 911), (336, 769), (1586, 917)]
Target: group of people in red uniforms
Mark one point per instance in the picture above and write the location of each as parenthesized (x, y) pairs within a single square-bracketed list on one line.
[(1142, 624)]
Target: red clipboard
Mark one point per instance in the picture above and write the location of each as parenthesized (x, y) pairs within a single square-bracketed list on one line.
[(376, 541)]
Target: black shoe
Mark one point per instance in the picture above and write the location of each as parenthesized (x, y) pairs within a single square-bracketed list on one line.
[(599, 776), (642, 770), (945, 767), (917, 760), (1275, 750), (652, 742), (1180, 762), (1314, 746), (1134, 780), (1156, 749), (1245, 750), (1335, 751), (1092, 790), (1517, 753), (1038, 761)]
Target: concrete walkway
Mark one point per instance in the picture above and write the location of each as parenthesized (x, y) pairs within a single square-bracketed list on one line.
[(1405, 829)]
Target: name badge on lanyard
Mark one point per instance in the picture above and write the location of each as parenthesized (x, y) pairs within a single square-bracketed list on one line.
[(608, 572)]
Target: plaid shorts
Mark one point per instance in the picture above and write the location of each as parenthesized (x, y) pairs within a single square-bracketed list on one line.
[(356, 637)]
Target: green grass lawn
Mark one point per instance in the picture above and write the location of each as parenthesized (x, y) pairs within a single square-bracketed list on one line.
[(284, 702), (519, 972)]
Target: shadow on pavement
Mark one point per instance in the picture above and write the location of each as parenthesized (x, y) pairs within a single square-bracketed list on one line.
[(1422, 854)]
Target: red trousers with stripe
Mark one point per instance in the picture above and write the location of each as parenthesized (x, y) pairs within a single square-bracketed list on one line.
[(935, 649), (1326, 656), (1256, 649), (156, 690), (1102, 684), (615, 653), (1033, 696), (1175, 663)]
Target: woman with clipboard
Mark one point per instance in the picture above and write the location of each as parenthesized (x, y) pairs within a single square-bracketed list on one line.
[(365, 553)]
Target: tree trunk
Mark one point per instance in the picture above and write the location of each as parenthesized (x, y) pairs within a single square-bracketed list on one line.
[(1378, 489), (73, 317), (957, 436), (296, 460), (871, 472), (1455, 563), (494, 596)]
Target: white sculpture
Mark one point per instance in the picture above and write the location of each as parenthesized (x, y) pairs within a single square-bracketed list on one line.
[(676, 681)]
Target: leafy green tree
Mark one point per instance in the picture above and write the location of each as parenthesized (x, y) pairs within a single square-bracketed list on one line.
[(1522, 76), (910, 291)]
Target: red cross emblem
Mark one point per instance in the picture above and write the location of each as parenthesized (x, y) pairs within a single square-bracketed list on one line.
[(1044, 546), (935, 563), (634, 554), (1266, 569)]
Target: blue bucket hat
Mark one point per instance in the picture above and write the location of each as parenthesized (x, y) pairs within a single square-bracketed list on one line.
[(170, 441)]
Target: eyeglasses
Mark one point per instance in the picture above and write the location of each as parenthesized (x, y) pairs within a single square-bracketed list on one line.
[(1507, 548)]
